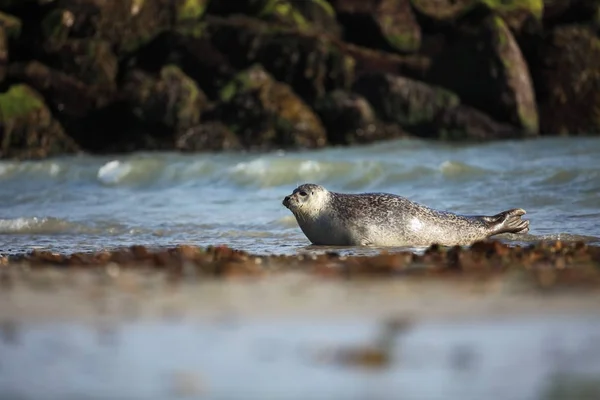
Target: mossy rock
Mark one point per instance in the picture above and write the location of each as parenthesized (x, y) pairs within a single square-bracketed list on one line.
[(190, 10), (126, 25), (306, 15), (367, 60), (10, 5), (27, 128), (567, 78), (170, 102), (428, 111), (303, 15), (404, 101), (515, 12), (267, 114), (312, 64), (3, 54), (385, 24), (11, 25), (483, 64), (562, 12), (68, 96), (467, 123), (350, 119), (90, 61), (56, 27), (207, 136)]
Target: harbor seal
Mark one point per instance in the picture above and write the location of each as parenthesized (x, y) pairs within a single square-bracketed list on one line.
[(383, 219)]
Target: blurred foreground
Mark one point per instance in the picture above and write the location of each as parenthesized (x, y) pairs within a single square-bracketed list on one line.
[(491, 321)]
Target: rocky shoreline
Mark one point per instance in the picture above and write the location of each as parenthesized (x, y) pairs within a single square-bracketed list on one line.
[(212, 75), (544, 265)]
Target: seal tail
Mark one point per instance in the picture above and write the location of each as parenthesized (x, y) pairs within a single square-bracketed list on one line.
[(508, 222)]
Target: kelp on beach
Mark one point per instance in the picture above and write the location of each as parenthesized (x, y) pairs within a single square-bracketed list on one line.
[(544, 264)]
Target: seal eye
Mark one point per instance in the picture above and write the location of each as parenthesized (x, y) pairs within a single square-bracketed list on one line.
[(303, 193)]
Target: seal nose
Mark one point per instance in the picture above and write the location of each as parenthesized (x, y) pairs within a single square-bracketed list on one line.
[(286, 200)]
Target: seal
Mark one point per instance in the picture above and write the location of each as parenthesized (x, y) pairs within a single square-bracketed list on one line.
[(383, 219)]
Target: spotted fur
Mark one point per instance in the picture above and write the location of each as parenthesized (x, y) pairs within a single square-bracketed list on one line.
[(383, 219)]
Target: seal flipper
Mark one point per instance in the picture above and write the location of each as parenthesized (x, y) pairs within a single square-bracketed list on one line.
[(508, 222)]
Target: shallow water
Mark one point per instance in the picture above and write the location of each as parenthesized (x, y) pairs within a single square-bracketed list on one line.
[(161, 199), (538, 359)]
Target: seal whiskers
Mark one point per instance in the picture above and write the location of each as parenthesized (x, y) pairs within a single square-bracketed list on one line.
[(382, 219)]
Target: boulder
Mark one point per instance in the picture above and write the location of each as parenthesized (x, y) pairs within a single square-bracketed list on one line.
[(196, 55), (213, 51), (484, 65), (312, 64), (89, 60), (515, 12), (3, 54), (560, 12), (385, 24), (207, 136), (303, 15), (27, 128), (171, 102), (428, 111), (266, 114), (368, 60), (10, 29), (567, 78), (125, 25), (21, 6), (404, 101), (68, 97), (11, 25), (350, 119), (466, 123), (189, 10)]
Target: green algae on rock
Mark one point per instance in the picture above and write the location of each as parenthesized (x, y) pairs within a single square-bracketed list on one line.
[(385, 23), (568, 81), (190, 10), (515, 12), (265, 113), (27, 128), (172, 100), (484, 65), (307, 15)]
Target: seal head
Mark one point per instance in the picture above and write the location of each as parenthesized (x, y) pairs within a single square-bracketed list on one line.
[(307, 200)]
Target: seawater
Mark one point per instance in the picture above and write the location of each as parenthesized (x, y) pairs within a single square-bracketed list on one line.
[(85, 203)]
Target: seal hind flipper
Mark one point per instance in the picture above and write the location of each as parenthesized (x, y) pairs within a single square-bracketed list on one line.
[(508, 222)]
